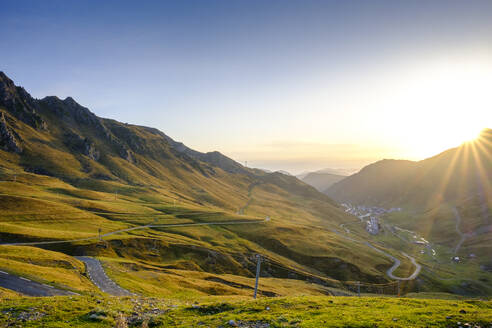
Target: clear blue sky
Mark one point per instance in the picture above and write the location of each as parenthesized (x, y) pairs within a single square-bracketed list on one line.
[(291, 85)]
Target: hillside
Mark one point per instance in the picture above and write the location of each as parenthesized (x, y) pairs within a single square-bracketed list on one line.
[(446, 198), (321, 181), (69, 175), (452, 176)]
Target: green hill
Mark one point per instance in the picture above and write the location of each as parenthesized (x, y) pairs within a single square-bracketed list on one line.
[(68, 174), (85, 185), (452, 176), (446, 198)]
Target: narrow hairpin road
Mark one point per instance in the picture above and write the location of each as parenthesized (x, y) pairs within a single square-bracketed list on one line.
[(28, 287), (100, 279), (397, 263)]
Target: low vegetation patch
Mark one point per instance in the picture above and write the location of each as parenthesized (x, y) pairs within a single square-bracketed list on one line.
[(97, 311)]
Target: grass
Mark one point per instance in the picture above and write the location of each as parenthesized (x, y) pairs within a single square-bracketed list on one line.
[(306, 311), (77, 196), (53, 268), (38, 207)]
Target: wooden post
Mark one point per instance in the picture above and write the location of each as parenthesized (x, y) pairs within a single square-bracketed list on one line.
[(358, 288)]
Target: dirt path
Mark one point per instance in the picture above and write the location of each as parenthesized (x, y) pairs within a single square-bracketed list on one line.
[(457, 216), (250, 198)]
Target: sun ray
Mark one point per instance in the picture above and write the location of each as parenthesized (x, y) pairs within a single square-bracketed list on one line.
[(484, 177), (441, 189)]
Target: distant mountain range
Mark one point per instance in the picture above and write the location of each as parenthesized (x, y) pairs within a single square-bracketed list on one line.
[(339, 171), (325, 178), (321, 181)]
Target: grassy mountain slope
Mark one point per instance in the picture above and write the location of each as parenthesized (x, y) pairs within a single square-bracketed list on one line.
[(447, 199), (68, 174), (452, 176)]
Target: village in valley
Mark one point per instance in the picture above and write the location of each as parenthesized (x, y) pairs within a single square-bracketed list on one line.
[(370, 215)]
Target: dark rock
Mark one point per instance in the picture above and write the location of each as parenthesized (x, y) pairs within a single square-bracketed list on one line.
[(19, 103), (9, 140), (81, 145)]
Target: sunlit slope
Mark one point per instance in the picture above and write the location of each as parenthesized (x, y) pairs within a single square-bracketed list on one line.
[(67, 174), (447, 199), (452, 176)]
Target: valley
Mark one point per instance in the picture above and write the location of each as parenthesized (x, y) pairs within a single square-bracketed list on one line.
[(91, 207)]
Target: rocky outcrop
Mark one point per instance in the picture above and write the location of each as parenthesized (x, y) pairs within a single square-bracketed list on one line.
[(20, 103), (81, 145), (69, 110), (9, 140)]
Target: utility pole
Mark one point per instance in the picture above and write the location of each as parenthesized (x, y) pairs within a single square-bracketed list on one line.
[(358, 288), (398, 281), (258, 263), (100, 236)]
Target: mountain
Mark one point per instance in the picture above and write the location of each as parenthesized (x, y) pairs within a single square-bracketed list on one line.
[(322, 181), (339, 171), (325, 178), (68, 174), (446, 198), (451, 176), (167, 220)]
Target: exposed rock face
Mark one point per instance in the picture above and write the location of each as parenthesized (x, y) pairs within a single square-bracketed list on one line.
[(81, 145), (9, 140), (20, 103), (68, 109)]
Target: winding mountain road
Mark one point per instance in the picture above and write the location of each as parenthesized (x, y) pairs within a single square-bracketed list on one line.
[(28, 287), (100, 279), (94, 268), (132, 229), (397, 263)]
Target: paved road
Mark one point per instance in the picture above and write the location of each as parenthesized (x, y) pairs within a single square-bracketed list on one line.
[(29, 287), (135, 228), (100, 279), (397, 263), (94, 268)]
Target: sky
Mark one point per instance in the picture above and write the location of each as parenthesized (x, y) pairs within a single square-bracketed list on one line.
[(281, 85)]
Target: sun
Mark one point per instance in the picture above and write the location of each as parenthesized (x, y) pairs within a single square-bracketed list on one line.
[(466, 134)]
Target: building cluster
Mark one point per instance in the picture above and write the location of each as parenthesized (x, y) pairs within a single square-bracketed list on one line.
[(370, 215)]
